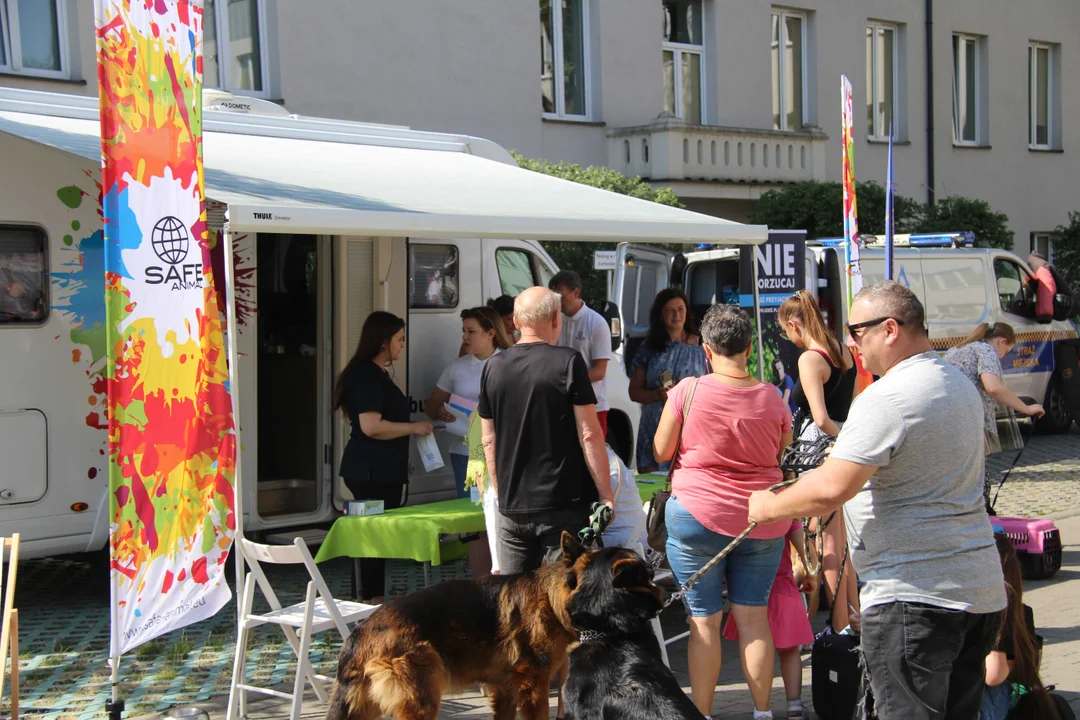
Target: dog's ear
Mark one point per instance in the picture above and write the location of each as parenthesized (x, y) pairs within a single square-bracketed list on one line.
[(571, 548), (629, 572)]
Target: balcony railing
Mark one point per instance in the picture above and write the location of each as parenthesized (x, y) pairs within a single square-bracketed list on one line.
[(672, 150)]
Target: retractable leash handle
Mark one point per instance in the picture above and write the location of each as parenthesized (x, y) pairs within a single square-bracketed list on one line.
[(599, 519)]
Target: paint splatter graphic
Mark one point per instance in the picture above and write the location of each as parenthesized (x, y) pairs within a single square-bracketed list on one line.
[(172, 448)]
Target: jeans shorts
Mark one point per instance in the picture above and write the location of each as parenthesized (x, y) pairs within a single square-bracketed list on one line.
[(749, 570)]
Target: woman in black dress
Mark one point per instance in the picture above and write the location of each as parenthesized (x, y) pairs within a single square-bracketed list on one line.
[(375, 465)]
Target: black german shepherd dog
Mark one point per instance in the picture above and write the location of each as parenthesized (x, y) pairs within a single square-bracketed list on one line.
[(617, 671)]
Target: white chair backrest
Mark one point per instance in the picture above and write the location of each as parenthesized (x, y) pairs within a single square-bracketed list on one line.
[(295, 554)]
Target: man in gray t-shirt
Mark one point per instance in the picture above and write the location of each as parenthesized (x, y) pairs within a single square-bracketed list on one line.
[(909, 465)]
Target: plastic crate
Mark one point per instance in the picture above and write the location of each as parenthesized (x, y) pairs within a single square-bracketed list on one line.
[(1037, 543)]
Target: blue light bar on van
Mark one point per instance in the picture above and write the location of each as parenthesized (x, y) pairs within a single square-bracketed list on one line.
[(959, 239), (831, 242)]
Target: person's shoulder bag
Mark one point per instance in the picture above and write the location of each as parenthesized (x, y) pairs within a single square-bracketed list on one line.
[(655, 525)]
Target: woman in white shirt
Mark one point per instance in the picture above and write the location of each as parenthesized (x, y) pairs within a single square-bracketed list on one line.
[(482, 335)]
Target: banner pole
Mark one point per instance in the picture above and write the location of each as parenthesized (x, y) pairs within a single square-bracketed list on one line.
[(757, 318), (232, 332), (115, 706)]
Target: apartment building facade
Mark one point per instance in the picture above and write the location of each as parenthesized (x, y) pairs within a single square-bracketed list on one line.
[(721, 100)]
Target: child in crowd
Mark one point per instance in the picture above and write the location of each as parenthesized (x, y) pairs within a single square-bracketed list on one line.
[(629, 524), (1012, 667), (787, 620)]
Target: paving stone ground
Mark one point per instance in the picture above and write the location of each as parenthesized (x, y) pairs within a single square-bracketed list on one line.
[(64, 626)]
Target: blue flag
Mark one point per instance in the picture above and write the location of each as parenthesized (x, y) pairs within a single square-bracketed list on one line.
[(890, 210)]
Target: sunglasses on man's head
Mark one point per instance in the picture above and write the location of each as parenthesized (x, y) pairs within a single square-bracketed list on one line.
[(869, 324)]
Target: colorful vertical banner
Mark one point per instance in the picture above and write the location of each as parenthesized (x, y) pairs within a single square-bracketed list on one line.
[(851, 221), (851, 218), (172, 446), (781, 266), (890, 210)]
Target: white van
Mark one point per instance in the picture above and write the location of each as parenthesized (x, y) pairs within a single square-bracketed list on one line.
[(326, 221), (959, 285)]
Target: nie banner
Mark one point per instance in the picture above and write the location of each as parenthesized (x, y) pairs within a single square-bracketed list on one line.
[(781, 269)]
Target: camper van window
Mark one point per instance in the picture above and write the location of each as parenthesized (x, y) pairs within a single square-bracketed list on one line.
[(23, 280), (1013, 291), (515, 271), (433, 276)]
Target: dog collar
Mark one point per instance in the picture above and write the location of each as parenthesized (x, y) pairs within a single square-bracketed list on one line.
[(588, 635)]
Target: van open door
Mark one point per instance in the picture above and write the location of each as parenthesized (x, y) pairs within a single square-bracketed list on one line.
[(641, 271)]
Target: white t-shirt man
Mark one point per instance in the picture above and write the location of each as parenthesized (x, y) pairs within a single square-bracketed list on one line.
[(587, 332), (462, 378), (629, 524)]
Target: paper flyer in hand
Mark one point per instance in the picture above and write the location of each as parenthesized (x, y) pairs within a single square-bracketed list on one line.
[(461, 409)]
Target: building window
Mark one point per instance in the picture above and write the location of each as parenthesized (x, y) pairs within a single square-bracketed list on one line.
[(881, 79), (433, 276), (683, 52), (1040, 91), (32, 38), (967, 76), (23, 281), (234, 47), (1043, 243), (564, 72), (788, 70)]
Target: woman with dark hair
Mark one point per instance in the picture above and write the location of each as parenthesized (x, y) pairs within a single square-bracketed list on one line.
[(482, 335), (730, 435), (671, 352), (375, 465), (1014, 659), (822, 397)]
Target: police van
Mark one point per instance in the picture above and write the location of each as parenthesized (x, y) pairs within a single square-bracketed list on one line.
[(960, 286)]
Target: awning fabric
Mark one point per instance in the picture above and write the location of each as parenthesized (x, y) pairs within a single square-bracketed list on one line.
[(292, 184)]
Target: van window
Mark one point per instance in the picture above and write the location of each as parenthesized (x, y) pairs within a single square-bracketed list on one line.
[(1013, 291), (955, 288), (515, 271), (433, 276), (23, 281)]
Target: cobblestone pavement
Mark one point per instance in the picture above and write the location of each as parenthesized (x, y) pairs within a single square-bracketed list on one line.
[(1046, 479), (64, 634)]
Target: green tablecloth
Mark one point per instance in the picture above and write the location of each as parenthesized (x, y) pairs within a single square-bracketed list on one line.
[(412, 533)]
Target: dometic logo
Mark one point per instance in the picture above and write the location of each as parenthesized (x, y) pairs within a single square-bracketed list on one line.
[(235, 106), (170, 241), (263, 216)]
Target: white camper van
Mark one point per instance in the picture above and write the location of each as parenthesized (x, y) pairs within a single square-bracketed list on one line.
[(324, 221), (960, 286)]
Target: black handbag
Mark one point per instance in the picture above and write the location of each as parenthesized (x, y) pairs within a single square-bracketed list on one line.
[(836, 677), (655, 524)]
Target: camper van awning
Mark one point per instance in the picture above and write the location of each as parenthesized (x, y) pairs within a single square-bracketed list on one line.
[(290, 184)]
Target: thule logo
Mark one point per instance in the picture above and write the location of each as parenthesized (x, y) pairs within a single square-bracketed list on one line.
[(263, 216)]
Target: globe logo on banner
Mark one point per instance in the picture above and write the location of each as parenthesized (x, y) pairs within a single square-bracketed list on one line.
[(170, 240), (171, 243)]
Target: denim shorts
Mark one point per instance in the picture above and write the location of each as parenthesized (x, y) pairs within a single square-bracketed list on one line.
[(749, 570)]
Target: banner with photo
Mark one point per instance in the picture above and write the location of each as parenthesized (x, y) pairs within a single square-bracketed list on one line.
[(172, 445), (781, 268)]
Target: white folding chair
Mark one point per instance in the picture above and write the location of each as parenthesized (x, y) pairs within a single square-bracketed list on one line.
[(317, 613)]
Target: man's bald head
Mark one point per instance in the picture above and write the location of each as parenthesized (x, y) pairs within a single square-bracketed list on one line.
[(891, 299), (537, 309)]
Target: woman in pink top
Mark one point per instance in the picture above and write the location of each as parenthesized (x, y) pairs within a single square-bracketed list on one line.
[(731, 441)]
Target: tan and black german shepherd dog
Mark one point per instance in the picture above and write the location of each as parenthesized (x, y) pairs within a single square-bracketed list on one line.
[(510, 633)]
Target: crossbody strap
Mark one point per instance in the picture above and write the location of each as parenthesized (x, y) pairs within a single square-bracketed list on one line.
[(685, 416)]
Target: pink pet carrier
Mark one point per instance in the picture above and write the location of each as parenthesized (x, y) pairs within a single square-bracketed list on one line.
[(1037, 543)]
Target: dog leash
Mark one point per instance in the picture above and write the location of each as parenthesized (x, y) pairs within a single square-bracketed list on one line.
[(993, 503), (800, 455)]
